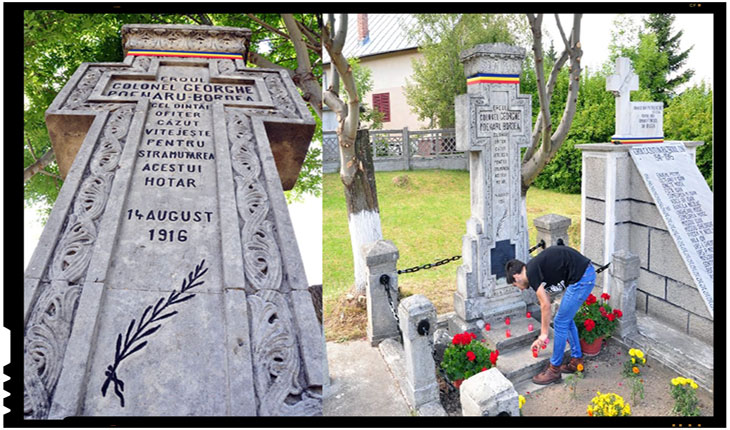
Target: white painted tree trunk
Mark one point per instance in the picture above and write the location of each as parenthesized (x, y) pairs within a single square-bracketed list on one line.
[(364, 229)]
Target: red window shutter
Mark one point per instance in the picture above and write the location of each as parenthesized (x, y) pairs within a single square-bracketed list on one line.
[(381, 103)]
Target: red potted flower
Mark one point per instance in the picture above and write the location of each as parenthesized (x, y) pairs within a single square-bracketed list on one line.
[(466, 357), (595, 321)]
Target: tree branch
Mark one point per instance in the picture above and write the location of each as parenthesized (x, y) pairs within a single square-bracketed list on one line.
[(303, 76), (309, 34), (39, 165)]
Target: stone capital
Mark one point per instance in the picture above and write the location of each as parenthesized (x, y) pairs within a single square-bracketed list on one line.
[(499, 58), (185, 38)]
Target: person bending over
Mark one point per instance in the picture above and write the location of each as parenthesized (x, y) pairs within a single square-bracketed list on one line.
[(548, 274)]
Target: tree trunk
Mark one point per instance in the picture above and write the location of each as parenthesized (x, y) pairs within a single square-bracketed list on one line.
[(363, 213), (39, 165)]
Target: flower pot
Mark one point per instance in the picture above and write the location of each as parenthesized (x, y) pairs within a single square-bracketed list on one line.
[(591, 349), (457, 383)]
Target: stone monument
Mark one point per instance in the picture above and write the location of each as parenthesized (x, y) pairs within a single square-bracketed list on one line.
[(650, 199), (167, 280), (636, 122), (493, 121)]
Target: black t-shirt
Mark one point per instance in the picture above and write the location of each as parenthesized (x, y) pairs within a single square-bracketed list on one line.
[(557, 266)]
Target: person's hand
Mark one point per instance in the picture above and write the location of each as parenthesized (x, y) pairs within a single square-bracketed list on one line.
[(540, 341)]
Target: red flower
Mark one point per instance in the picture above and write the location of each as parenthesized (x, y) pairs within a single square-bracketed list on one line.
[(605, 296), (493, 357), (589, 324), (618, 313), (591, 299), (484, 369), (610, 317), (471, 356), (602, 309)]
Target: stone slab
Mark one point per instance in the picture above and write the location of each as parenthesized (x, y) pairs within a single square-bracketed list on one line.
[(361, 383), (520, 335), (684, 201), (682, 353), (488, 394), (519, 365)]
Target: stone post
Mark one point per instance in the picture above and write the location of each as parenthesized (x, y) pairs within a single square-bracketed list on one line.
[(406, 148), (417, 313), (488, 394), (625, 272), (552, 227), (380, 259)]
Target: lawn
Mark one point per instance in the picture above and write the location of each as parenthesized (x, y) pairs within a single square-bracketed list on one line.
[(425, 219)]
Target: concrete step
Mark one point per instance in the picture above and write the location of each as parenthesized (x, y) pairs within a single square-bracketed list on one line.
[(520, 335), (519, 365)]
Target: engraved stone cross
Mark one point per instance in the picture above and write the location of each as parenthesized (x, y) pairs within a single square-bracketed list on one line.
[(167, 272), (622, 83)]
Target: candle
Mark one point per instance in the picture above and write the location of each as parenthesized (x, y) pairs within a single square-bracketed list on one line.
[(547, 340), (509, 334), (506, 320), (529, 315), (530, 327), (487, 327), (534, 352)]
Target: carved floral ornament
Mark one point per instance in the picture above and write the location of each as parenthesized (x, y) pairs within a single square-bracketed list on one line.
[(185, 37)]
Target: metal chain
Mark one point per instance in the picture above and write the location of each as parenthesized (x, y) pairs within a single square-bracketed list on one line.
[(441, 372), (429, 265), (385, 282)]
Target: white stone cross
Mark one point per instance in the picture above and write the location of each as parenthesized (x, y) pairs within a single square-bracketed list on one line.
[(622, 83)]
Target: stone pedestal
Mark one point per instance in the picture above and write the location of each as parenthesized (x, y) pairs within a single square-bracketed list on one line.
[(489, 394), (551, 228), (380, 258), (493, 121), (417, 313)]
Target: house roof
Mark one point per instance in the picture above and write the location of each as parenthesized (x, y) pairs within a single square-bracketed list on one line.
[(386, 33)]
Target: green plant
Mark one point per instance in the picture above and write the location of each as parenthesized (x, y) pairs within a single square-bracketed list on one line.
[(596, 319), (632, 370), (684, 392), (608, 405), (466, 356), (572, 381)]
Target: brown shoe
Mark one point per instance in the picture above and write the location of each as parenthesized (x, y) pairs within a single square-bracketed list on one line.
[(548, 376), (572, 365)]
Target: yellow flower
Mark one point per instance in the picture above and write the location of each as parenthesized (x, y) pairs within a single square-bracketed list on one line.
[(580, 367), (633, 361), (639, 353), (675, 381), (522, 400), (644, 362), (632, 352), (627, 409)]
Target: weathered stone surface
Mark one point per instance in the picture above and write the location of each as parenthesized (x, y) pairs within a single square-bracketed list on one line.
[(170, 246), (652, 283), (647, 214), (416, 313), (489, 394), (670, 314), (593, 249), (664, 258), (594, 169), (381, 257), (552, 227), (686, 296), (639, 243), (493, 121), (702, 328)]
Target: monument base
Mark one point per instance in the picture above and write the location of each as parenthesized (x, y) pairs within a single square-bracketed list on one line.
[(471, 314)]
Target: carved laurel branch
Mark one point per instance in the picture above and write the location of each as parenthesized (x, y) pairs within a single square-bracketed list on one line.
[(128, 347)]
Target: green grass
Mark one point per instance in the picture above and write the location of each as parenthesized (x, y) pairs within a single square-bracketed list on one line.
[(426, 220)]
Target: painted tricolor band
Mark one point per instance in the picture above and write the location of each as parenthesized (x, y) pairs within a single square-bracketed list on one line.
[(492, 78), (634, 140), (189, 54)]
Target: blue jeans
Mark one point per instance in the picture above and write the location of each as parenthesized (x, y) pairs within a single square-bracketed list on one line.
[(563, 324)]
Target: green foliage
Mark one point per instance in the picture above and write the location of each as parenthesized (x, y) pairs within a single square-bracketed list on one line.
[(660, 24), (56, 43), (689, 117), (466, 356), (439, 76), (684, 393), (364, 84)]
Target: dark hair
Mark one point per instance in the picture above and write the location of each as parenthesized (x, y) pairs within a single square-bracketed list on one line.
[(511, 268)]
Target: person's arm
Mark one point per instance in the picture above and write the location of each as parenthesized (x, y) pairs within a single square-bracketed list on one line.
[(545, 314)]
